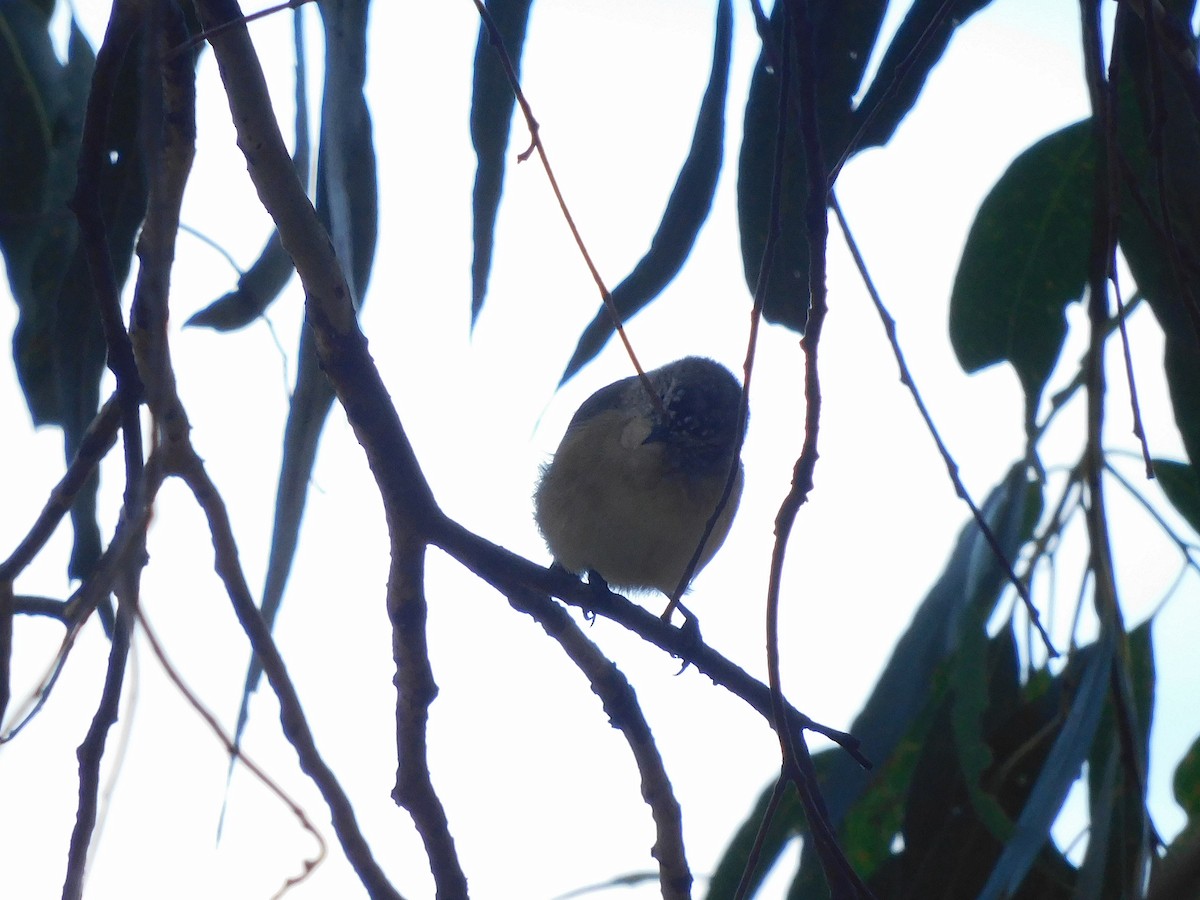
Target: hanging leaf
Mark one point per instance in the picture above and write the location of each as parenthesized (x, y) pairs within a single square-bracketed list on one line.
[(1025, 259), (259, 285), (492, 102), (58, 344), (1163, 250), (1179, 482), (1059, 771), (1177, 874), (844, 34), (687, 209), (347, 204), (916, 48), (896, 717), (1118, 850)]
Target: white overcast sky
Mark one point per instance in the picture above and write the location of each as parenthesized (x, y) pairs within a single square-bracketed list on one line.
[(541, 793)]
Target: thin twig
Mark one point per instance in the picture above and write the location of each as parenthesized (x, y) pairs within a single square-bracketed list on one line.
[(123, 24), (746, 882), (1185, 548), (1139, 429), (1102, 93), (227, 741), (1061, 397), (840, 875), (960, 489), (497, 41)]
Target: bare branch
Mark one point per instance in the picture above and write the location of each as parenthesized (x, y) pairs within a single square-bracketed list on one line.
[(625, 714), (415, 692)]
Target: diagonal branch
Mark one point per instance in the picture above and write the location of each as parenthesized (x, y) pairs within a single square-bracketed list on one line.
[(625, 714), (189, 467)]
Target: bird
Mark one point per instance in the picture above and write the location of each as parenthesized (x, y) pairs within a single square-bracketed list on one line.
[(638, 474)]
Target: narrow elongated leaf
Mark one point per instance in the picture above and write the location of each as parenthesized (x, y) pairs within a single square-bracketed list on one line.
[(916, 48), (844, 34), (347, 203), (492, 102), (1025, 260), (41, 122), (1159, 133), (58, 345), (908, 683), (259, 285), (687, 208), (1118, 849), (1059, 772), (782, 831)]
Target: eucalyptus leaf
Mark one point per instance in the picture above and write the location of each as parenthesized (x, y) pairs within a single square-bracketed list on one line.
[(687, 208), (492, 102), (1025, 259)]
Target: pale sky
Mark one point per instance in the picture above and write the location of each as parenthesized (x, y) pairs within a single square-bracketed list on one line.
[(541, 793)]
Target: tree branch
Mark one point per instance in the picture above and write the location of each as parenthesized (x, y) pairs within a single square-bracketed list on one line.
[(625, 714), (415, 692)]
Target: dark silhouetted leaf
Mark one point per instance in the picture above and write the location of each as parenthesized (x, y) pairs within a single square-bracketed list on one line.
[(492, 102), (347, 203), (782, 830), (844, 34), (1179, 482), (266, 278), (916, 48), (1177, 876), (257, 288), (1060, 770), (41, 122), (896, 717), (1186, 782), (58, 345), (1118, 849), (1025, 260), (687, 208), (1168, 139)]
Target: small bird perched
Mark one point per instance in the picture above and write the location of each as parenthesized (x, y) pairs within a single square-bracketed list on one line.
[(634, 482)]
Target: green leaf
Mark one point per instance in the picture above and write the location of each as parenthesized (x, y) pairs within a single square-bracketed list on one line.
[(898, 713), (916, 48), (687, 208), (1186, 782), (1182, 487), (1177, 874), (844, 34), (42, 104), (492, 102), (783, 828), (1057, 774), (58, 344), (1159, 135), (946, 849), (1025, 260), (1118, 845), (256, 290)]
